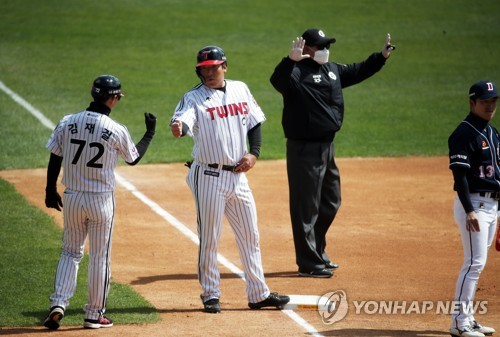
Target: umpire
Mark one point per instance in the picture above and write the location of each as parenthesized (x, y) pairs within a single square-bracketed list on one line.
[(313, 111)]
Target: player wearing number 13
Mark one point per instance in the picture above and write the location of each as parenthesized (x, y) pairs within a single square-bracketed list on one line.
[(474, 160), (89, 143)]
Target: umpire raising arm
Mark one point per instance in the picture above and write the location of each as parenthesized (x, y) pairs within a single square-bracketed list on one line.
[(313, 110)]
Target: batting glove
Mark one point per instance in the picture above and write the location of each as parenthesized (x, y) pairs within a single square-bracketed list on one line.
[(388, 47), (297, 50), (53, 199), (150, 121)]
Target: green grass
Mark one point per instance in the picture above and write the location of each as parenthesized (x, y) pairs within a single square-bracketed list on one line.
[(30, 248), (52, 50)]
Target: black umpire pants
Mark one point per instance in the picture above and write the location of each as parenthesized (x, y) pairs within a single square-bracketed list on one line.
[(314, 190)]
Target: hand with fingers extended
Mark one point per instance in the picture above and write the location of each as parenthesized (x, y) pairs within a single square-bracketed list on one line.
[(388, 47), (150, 121), (296, 54), (53, 199)]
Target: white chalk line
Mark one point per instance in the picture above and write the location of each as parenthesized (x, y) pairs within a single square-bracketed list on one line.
[(156, 208), (18, 99)]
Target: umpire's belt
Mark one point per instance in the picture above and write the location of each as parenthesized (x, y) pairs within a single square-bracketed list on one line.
[(492, 195), (222, 167)]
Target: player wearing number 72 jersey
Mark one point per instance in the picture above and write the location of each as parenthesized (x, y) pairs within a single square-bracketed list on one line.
[(89, 142)]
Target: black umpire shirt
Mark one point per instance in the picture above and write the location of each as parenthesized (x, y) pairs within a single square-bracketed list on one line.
[(313, 104)]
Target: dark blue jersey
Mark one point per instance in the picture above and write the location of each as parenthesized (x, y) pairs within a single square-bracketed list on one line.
[(474, 146)]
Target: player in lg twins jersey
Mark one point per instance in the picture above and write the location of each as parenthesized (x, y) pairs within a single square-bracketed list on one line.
[(89, 143), (219, 114)]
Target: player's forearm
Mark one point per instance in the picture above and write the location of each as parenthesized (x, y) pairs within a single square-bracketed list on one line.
[(185, 129), (255, 140), (143, 145), (462, 188), (355, 73), (53, 170)]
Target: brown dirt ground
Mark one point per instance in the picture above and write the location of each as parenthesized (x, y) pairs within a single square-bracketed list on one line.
[(394, 238)]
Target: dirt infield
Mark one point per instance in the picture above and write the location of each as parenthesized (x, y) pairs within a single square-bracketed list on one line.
[(394, 238)]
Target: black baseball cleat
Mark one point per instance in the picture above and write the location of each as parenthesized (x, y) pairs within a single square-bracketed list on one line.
[(273, 300), (53, 318), (212, 306), (318, 273), (331, 265)]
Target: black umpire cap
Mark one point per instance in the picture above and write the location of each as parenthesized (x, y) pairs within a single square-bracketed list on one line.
[(316, 37), (483, 90)]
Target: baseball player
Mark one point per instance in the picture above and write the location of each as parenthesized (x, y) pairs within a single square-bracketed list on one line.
[(474, 149), (89, 143), (220, 114)]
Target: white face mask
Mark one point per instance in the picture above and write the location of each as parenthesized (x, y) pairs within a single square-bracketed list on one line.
[(321, 56)]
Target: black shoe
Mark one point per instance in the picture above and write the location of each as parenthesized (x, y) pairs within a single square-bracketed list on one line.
[(331, 265), (212, 306), (54, 317), (273, 300), (320, 273)]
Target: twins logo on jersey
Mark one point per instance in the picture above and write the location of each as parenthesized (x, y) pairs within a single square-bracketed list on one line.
[(232, 109)]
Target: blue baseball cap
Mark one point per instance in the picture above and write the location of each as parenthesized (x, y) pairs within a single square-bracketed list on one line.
[(483, 90)]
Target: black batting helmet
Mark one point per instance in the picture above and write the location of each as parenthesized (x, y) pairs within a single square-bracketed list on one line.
[(105, 86), (210, 55)]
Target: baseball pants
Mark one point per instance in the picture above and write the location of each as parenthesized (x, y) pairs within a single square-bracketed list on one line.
[(92, 215), (314, 189), (217, 193), (475, 249)]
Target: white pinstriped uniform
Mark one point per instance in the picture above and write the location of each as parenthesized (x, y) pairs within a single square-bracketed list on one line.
[(218, 122), (90, 143)]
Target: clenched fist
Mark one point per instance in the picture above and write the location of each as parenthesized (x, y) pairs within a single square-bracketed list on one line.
[(150, 121), (176, 128)]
